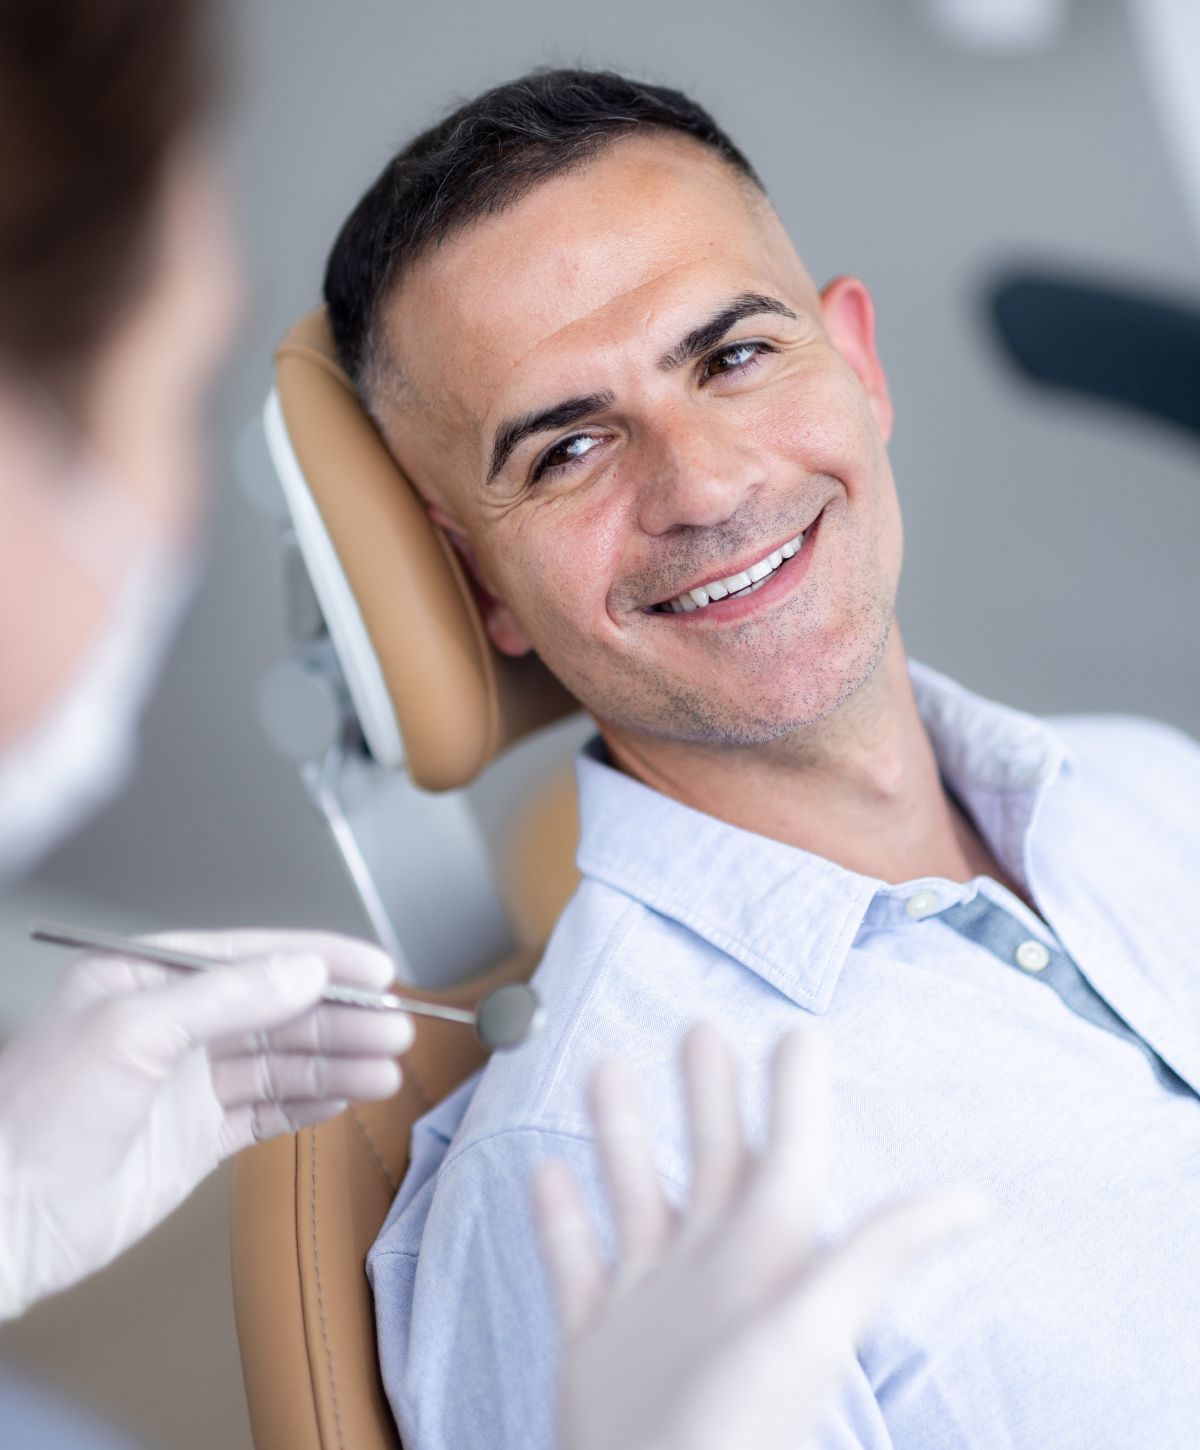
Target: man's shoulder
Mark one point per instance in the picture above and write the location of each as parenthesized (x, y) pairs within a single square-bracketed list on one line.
[(1107, 736), (1131, 749), (594, 986), (527, 1098), (1134, 782)]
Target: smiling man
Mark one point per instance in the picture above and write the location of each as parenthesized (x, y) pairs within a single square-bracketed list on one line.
[(662, 451)]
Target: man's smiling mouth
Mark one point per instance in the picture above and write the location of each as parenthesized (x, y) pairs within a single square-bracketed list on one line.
[(733, 586)]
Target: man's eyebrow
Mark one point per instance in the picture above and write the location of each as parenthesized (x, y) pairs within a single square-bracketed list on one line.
[(708, 334), (560, 415), (573, 410)]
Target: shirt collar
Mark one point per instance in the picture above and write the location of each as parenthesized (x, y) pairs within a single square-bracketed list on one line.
[(999, 762), (789, 915)]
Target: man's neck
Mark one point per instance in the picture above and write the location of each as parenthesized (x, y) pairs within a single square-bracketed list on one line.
[(860, 788)]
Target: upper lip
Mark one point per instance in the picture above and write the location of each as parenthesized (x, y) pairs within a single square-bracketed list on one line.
[(724, 573)]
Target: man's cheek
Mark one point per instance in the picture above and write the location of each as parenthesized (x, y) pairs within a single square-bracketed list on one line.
[(843, 443), (575, 565), (817, 425), (562, 614), (543, 597), (560, 563)]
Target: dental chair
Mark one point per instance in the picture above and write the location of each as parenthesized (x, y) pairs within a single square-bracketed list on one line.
[(394, 704)]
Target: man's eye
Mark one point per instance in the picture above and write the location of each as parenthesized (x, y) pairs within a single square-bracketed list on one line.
[(733, 359), (565, 452)]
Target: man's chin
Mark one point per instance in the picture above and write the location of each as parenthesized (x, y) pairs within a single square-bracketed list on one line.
[(763, 706)]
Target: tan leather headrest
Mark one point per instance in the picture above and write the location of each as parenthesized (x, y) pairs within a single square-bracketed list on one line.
[(457, 701)]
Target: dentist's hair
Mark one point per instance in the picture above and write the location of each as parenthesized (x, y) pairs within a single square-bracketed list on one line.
[(482, 158), (94, 96)]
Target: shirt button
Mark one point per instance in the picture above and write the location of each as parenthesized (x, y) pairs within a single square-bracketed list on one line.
[(1033, 956), (921, 903)]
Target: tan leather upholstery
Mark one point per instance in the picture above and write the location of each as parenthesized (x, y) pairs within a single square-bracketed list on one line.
[(457, 701), (305, 1211), (538, 873)]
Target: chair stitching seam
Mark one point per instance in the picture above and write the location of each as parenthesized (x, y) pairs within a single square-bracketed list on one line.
[(391, 1182), (337, 1413)]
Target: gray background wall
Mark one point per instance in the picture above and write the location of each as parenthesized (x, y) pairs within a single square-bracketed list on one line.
[(1050, 547)]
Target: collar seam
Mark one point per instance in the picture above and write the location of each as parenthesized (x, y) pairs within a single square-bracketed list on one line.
[(813, 997), (620, 931)]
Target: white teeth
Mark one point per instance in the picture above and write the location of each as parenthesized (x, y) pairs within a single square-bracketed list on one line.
[(747, 581)]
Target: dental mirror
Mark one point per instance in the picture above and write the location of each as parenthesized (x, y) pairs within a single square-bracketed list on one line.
[(503, 1019)]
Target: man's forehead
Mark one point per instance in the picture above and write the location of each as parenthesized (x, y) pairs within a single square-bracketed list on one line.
[(584, 262)]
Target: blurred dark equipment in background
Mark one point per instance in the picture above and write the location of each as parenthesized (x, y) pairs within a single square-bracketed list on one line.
[(1121, 346)]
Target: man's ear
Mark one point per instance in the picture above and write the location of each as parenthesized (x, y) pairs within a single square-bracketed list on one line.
[(498, 619), (849, 317)]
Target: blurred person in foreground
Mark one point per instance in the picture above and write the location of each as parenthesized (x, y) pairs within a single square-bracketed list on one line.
[(118, 293), (662, 451), (117, 297)]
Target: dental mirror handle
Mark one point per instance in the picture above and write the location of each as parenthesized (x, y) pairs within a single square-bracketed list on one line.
[(503, 1018)]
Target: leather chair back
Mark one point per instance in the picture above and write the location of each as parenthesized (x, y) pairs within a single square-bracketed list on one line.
[(305, 1211)]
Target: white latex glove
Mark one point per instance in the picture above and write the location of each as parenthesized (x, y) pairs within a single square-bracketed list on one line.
[(135, 1082), (726, 1326)]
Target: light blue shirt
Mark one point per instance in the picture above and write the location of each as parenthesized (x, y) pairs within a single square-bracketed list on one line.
[(1055, 1069)]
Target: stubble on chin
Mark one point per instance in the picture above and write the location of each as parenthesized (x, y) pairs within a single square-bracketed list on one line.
[(799, 695)]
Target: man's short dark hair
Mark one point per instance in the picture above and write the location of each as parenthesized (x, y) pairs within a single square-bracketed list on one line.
[(482, 158)]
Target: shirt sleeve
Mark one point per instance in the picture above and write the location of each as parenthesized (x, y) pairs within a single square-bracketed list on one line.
[(468, 1335)]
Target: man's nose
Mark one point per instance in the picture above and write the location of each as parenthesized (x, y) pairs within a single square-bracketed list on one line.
[(698, 470)]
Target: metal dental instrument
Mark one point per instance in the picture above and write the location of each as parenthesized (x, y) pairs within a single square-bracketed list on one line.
[(504, 1018)]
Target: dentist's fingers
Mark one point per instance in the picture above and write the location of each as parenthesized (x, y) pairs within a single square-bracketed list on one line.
[(154, 1029), (795, 1161), (829, 1307), (351, 962), (333, 1030), (258, 1122), (289, 1078), (93, 977), (719, 1155), (641, 1214), (568, 1244)]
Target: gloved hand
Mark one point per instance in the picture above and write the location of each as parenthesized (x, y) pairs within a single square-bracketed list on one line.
[(135, 1082), (727, 1325)]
